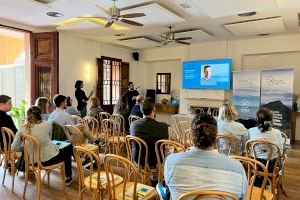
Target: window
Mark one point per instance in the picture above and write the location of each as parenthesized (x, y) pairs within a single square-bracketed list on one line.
[(163, 83), (111, 80)]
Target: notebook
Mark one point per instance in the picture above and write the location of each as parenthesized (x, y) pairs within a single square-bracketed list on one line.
[(142, 190), (61, 144)]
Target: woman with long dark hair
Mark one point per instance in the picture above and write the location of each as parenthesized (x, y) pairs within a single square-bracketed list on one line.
[(41, 131), (81, 97)]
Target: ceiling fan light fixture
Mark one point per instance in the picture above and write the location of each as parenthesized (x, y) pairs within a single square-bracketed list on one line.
[(247, 14), (54, 14), (119, 34)]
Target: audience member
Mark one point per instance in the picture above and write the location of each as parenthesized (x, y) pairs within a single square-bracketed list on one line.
[(5, 119), (150, 131), (131, 95), (227, 125), (95, 107), (43, 104), (41, 131), (121, 108), (201, 167), (62, 118), (136, 109), (70, 109), (81, 98)]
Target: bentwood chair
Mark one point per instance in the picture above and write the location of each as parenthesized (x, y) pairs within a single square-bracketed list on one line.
[(163, 148), (227, 144), (102, 116), (33, 164), (183, 126), (208, 194), (114, 138), (186, 138), (132, 118), (76, 119), (92, 180), (142, 154), (269, 153), (121, 123), (173, 135), (9, 155), (92, 124), (130, 189), (253, 169), (283, 158)]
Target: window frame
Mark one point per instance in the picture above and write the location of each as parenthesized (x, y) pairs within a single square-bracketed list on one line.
[(167, 83)]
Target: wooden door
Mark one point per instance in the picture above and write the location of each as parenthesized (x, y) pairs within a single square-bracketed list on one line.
[(44, 65), (124, 77)]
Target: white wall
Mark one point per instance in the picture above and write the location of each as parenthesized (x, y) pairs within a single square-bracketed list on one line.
[(235, 49), (77, 61)]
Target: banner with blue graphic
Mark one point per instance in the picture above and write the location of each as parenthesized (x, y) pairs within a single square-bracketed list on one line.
[(246, 93), (277, 95)]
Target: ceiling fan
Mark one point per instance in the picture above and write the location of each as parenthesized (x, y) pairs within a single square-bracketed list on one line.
[(170, 37), (114, 15)]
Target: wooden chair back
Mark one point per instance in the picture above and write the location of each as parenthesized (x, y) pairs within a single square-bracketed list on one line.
[(7, 139), (227, 144), (208, 194), (132, 118), (215, 112), (103, 116), (186, 139), (182, 127), (112, 135), (81, 154), (32, 152), (121, 123), (253, 169), (77, 138), (173, 135), (163, 148), (76, 119), (92, 124), (130, 176)]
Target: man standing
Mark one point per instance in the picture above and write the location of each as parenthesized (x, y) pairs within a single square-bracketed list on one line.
[(5, 119), (149, 130), (131, 95)]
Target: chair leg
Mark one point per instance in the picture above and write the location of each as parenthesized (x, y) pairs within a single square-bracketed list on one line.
[(26, 182), (38, 184), (13, 172), (48, 177), (63, 176), (5, 169)]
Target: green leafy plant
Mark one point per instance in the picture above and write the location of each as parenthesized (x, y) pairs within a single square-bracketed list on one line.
[(19, 111)]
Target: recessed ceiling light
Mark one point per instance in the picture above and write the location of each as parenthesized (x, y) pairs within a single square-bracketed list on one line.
[(247, 14), (119, 34), (54, 14)]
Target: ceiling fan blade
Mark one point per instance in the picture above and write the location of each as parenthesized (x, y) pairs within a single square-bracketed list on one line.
[(131, 22), (109, 23), (102, 9), (163, 36), (133, 15), (181, 42), (184, 38)]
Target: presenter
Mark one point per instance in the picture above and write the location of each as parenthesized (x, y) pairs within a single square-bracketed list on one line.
[(82, 98), (131, 95)]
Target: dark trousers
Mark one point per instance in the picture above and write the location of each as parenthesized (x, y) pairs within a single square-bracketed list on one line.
[(259, 179), (64, 155)]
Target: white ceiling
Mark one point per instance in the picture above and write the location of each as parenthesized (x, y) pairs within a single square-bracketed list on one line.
[(204, 19)]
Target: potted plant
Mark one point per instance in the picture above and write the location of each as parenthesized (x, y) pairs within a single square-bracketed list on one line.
[(18, 113)]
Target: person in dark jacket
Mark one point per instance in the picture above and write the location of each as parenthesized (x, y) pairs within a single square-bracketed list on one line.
[(81, 98), (136, 110), (131, 95)]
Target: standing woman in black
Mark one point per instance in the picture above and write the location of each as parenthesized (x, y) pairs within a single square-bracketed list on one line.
[(81, 98)]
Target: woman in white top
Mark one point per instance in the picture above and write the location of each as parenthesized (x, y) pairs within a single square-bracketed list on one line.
[(43, 104), (227, 125), (264, 131), (41, 131)]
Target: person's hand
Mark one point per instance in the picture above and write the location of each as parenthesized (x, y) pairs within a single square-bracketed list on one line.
[(134, 98)]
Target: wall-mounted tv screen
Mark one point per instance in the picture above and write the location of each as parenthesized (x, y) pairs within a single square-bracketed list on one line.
[(207, 74)]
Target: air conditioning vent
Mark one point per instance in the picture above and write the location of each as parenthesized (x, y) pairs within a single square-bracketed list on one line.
[(185, 5)]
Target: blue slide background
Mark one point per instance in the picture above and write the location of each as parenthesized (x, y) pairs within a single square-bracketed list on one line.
[(220, 76)]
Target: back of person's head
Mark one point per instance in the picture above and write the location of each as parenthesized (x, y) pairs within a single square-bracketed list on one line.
[(33, 116), (147, 107), (78, 84), (140, 99), (129, 83), (69, 103), (42, 102), (204, 131), (264, 119), (95, 102), (4, 98), (58, 100), (121, 104), (227, 112)]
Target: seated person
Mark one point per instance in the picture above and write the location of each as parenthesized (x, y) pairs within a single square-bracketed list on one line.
[(41, 131), (150, 131), (5, 119), (136, 109), (203, 168), (227, 125), (43, 104), (95, 108), (122, 108), (70, 109), (62, 118)]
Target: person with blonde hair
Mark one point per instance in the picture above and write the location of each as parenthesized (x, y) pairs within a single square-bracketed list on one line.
[(228, 125), (95, 107), (41, 131), (44, 104)]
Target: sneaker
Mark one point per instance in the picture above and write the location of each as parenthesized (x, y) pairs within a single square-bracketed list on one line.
[(69, 180), (162, 192)]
